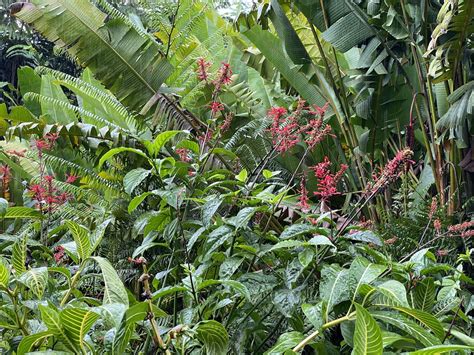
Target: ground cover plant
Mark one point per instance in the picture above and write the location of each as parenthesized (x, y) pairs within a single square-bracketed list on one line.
[(200, 177)]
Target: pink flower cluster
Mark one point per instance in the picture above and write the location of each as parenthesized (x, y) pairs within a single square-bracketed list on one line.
[(202, 66), (46, 143), (183, 155), (464, 229), (286, 130), (327, 181), (392, 171), (46, 195), (303, 199)]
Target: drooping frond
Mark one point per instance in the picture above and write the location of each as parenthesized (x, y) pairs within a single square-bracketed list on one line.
[(128, 64)]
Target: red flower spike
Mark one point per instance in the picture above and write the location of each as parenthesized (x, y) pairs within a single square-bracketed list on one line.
[(202, 66), (224, 127), (216, 107), (70, 179), (303, 198), (327, 184), (183, 155)]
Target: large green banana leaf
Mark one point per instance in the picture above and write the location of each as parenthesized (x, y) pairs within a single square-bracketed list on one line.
[(128, 63)]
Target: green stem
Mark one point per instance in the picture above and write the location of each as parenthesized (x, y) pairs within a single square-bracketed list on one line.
[(74, 280), (327, 325)]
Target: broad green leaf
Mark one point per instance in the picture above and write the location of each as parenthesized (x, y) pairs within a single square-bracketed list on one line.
[(56, 113), (271, 47), (442, 349), (77, 322), (426, 319), (30, 341), (425, 294), (4, 275), (81, 238), (19, 256), (35, 279), (137, 200), (159, 142), (51, 318), (210, 208), (22, 212), (364, 236), (389, 338), (188, 144), (213, 336), (298, 229), (367, 336), (127, 62), (98, 234), (134, 178), (285, 342), (391, 293), (337, 285), (242, 176), (413, 329), (3, 206), (115, 151), (365, 272), (114, 290), (314, 313)]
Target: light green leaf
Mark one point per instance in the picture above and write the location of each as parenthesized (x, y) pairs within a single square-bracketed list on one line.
[(213, 336), (314, 313), (365, 236), (425, 294), (159, 142), (30, 341), (134, 178), (127, 62), (77, 322), (115, 151), (391, 293), (367, 336), (22, 212), (19, 256), (137, 200), (36, 280), (81, 238), (3, 206), (442, 349), (365, 272), (242, 176), (4, 275), (114, 290), (51, 318), (426, 319), (285, 342), (413, 329), (298, 229), (337, 285)]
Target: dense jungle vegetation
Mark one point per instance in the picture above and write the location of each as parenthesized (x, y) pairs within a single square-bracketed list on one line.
[(236, 177)]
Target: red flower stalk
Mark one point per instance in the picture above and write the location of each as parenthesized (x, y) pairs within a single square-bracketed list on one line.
[(216, 107), (303, 198), (437, 225), (433, 207), (71, 178), (183, 155), (59, 254), (461, 227), (5, 177), (327, 184), (392, 171), (224, 127), (316, 131), (223, 76), (204, 138), (202, 66), (284, 130), (18, 153), (467, 234)]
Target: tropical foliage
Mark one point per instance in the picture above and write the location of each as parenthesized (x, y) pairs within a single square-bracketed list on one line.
[(277, 178)]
